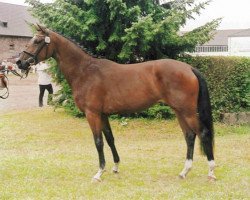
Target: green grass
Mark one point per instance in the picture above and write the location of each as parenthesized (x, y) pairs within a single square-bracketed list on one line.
[(50, 155)]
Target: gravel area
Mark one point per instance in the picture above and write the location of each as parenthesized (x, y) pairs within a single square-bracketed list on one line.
[(23, 94)]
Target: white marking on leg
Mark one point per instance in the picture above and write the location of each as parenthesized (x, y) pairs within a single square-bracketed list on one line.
[(98, 175), (115, 168), (211, 165), (186, 169)]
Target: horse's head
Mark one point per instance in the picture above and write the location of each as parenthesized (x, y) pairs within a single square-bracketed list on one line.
[(38, 49)]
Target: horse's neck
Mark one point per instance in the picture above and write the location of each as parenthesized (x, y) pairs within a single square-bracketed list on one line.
[(70, 58)]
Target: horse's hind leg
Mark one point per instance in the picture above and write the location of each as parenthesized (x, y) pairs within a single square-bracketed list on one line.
[(190, 136), (110, 140), (191, 127), (207, 145)]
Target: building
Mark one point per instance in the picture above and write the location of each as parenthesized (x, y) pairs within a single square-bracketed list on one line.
[(235, 42), (239, 43), (14, 30)]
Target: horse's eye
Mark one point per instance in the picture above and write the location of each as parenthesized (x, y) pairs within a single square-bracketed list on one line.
[(37, 41)]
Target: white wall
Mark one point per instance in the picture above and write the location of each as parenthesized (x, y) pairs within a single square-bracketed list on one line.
[(239, 46)]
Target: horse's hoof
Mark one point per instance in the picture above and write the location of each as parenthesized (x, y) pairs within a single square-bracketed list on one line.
[(212, 178), (181, 176), (96, 180), (115, 171)]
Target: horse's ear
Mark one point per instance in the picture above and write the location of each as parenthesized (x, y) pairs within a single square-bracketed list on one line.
[(29, 23), (40, 28), (36, 27)]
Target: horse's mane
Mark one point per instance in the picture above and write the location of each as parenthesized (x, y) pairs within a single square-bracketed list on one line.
[(78, 45)]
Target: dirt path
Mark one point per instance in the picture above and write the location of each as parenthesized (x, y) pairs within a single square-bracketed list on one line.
[(23, 94)]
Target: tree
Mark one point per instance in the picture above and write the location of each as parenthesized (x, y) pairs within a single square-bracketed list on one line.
[(125, 31)]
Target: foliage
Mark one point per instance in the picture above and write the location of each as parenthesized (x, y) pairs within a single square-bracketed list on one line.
[(158, 111), (228, 81), (125, 31)]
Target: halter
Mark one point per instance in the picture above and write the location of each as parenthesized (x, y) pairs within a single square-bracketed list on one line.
[(33, 56), (33, 59)]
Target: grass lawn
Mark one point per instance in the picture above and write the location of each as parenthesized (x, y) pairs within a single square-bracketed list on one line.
[(50, 155)]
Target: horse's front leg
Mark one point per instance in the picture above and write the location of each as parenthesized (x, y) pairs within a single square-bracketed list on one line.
[(96, 126)]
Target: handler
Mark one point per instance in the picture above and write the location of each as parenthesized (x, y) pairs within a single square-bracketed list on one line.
[(44, 82)]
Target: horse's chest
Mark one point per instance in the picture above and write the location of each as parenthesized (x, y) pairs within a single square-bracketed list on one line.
[(88, 100)]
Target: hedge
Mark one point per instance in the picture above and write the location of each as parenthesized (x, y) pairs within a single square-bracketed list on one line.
[(228, 81)]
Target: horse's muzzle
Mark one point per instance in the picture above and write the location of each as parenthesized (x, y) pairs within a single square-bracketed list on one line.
[(23, 64)]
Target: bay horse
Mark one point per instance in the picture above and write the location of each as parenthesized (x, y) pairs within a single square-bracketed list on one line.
[(102, 87)]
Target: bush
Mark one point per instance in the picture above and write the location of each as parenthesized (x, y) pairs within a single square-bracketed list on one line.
[(228, 81), (158, 111)]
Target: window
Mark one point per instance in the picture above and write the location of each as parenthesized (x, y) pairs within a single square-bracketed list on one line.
[(4, 24), (12, 46)]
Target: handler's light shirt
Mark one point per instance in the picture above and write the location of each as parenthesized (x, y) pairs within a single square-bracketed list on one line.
[(43, 77)]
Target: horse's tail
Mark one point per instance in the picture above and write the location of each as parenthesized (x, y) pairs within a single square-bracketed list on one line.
[(205, 115)]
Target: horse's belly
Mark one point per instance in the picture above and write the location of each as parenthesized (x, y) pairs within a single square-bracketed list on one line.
[(128, 104)]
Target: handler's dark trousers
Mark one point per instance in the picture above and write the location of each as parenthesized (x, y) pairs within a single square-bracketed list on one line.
[(42, 90)]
